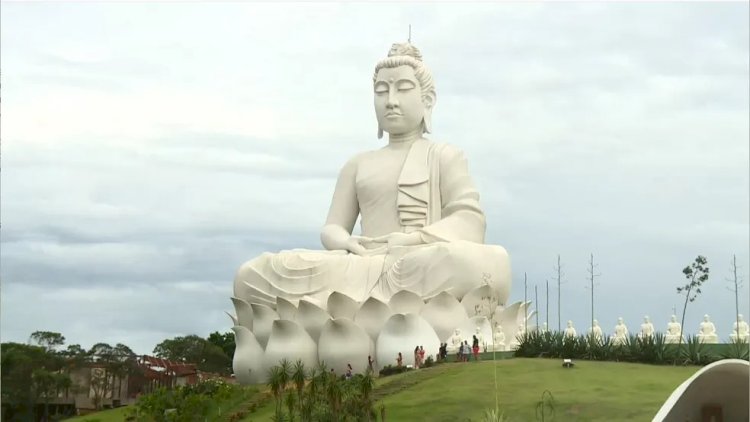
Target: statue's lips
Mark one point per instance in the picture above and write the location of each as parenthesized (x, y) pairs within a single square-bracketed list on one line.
[(392, 115)]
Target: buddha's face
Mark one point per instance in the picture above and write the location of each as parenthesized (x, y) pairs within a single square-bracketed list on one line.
[(674, 318), (398, 100)]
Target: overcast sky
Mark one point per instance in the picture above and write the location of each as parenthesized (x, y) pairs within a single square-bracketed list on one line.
[(150, 149)]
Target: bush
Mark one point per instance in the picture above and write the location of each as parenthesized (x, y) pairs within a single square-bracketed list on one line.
[(429, 362), (391, 370)]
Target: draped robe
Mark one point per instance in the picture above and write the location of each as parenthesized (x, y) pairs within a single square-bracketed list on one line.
[(435, 197)]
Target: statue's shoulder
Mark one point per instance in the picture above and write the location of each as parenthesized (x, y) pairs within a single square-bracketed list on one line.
[(447, 152)]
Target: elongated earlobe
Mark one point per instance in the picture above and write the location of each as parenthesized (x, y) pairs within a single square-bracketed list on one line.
[(427, 122), (380, 132)]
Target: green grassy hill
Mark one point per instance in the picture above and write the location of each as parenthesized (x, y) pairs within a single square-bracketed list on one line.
[(591, 391)]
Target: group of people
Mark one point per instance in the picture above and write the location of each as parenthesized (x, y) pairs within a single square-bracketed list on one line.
[(418, 356), (465, 351)]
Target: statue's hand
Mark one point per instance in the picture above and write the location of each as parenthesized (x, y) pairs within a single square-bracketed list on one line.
[(354, 245), (400, 239)]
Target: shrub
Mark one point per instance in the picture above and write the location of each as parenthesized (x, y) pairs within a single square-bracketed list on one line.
[(429, 362), (390, 370), (737, 349)]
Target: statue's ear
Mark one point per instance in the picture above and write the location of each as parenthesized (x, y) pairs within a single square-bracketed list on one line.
[(380, 132), (429, 103)]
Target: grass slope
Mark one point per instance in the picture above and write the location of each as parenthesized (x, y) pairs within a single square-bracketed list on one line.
[(591, 391)]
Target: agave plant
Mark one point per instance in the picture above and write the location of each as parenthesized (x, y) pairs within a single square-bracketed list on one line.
[(737, 349), (695, 352)]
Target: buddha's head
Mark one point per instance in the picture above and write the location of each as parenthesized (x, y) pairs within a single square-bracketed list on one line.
[(674, 318), (645, 319), (705, 318), (739, 317), (404, 92), (570, 324), (619, 321), (596, 323)]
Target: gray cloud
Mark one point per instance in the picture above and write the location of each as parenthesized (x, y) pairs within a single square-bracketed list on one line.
[(141, 168)]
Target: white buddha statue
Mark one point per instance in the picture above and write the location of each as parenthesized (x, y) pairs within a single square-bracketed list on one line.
[(673, 331), (544, 328), (707, 332), (517, 338), (570, 331), (422, 228), (620, 337), (647, 328), (596, 331), (456, 341), (499, 338), (480, 337), (740, 330)]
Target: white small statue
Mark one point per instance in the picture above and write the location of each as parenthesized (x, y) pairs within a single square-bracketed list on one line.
[(596, 331), (707, 333), (499, 338), (569, 330), (520, 331), (620, 336), (480, 337), (456, 341), (673, 331), (740, 330), (647, 328), (544, 328)]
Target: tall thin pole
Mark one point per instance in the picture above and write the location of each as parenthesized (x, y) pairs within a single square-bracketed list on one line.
[(546, 309), (559, 293), (536, 303), (525, 319)]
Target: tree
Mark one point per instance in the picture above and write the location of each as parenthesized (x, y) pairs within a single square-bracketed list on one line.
[(102, 378), (592, 275), (224, 341), (696, 274), (47, 339), (735, 288), (194, 349)]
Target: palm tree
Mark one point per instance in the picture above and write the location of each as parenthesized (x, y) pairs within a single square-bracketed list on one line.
[(366, 385), (290, 402), (299, 378), (286, 370), (275, 384)]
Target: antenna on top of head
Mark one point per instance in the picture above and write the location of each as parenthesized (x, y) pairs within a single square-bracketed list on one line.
[(409, 41)]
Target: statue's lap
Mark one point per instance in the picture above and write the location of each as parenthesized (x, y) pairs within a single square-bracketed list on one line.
[(456, 267)]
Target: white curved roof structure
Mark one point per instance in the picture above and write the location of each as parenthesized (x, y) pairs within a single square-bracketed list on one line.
[(725, 384)]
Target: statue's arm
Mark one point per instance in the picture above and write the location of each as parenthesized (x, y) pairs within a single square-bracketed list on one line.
[(336, 234), (462, 217)]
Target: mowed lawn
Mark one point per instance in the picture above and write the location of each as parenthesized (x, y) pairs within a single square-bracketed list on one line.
[(591, 391)]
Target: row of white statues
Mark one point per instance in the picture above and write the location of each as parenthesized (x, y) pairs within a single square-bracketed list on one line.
[(706, 333)]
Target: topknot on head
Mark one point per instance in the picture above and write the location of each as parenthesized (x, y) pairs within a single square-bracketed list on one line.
[(405, 49)]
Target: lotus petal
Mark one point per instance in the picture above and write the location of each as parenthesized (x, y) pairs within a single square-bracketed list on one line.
[(285, 309), (312, 318), (444, 314), (342, 306), (401, 333), (248, 357), (371, 316), (406, 302), (264, 317), (234, 318), (508, 318), (469, 329), (480, 301), (244, 313), (343, 342), (291, 342)]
